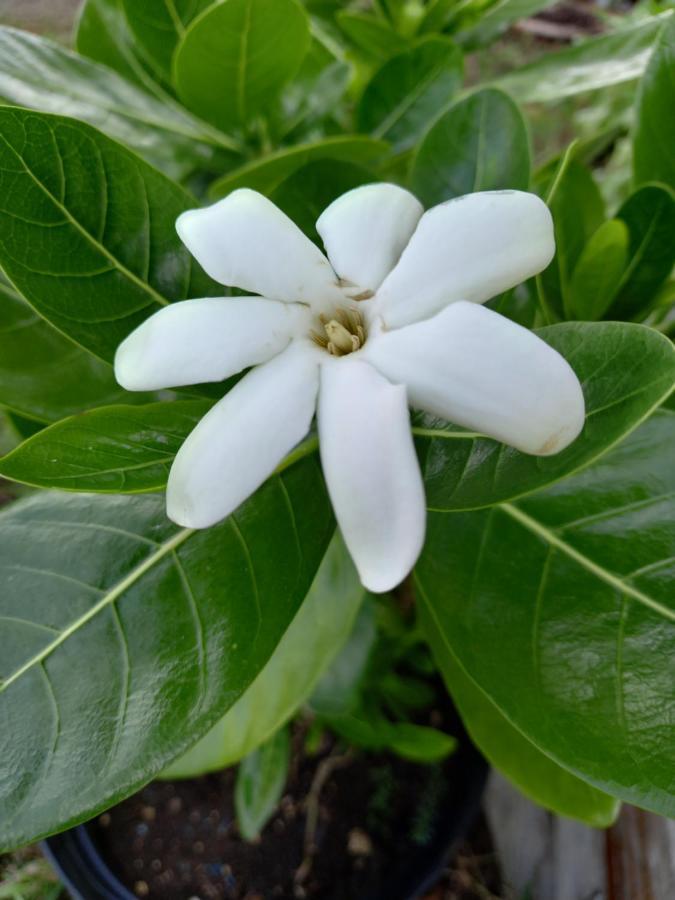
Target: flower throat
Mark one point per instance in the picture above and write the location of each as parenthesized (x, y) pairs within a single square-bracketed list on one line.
[(343, 333)]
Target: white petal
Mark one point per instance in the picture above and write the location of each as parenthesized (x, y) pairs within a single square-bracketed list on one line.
[(247, 242), (365, 231), (206, 340), (241, 441), (480, 370), (471, 248), (371, 471)]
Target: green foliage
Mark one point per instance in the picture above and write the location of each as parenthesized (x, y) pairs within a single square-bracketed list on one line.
[(260, 783), (597, 275), (559, 607), (480, 144), (158, 27), (127, 638), (653, 155)]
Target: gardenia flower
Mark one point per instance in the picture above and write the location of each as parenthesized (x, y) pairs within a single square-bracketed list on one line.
[(392, 317)]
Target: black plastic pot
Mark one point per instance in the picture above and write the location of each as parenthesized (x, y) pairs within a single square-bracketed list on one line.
[(87, 876)]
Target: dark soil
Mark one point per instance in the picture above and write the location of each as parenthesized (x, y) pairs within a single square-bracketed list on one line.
[(179, 840)]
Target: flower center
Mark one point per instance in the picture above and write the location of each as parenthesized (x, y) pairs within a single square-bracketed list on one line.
[(341, 333)]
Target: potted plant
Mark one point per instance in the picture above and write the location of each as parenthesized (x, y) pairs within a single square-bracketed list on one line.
[(269, 266)]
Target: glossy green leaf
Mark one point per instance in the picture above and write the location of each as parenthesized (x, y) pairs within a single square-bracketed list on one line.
[(87, 229), (509, 751), (653, 156), (597, 274), (560, 608), (128, 638), (112, 449), (268, 173), (409, 91), (261, 778), (479, 144), (305, 194), (43, 375), (309, 646), (625, 370), (650, 216), (591, 64), (158, 25), (375, 38), (496, 19), (42, 75), (236, 57), (578, 211)]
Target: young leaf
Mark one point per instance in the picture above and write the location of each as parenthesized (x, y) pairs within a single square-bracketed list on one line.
[(407, 93), (479, 144), (591, 64), (43, 375), (127, 637), (307, 649), (597, 274), (236, 57), (649, 214), (87, 230), (42, 75), (260, 783), (560, 608), (158, 26), (653, 156), (112, 449), (266, 174), (626, 372), (509, 751), (375, 38)]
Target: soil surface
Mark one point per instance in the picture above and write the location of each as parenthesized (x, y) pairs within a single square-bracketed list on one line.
[(179, 840)]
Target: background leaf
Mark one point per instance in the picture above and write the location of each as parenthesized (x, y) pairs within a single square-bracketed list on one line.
[(43, 375), (598, 272), (87, 230), (374, 37), (509, 751), (261, 778), (591, 64), (128, 638), (560, 609), (625, 370), (236, 57), (409, 91), (479, 144), (307, 649), (653, 157), (42, 75), (495, 19)]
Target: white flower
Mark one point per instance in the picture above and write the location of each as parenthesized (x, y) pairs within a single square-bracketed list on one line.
[(393, 318)]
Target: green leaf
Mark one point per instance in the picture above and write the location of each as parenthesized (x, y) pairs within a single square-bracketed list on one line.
[(578, 211), (496, 19), (560, 609), (374, 37), (39, 74), (373, 732), (407, 93), (158, 25), (236, 57), (306, 193), (649, 214), (260, 783), (591, 64), (266, 174), (112, 449), (626, 371), (479, 144), (43, 375), (509, 751), (127, 638), (87, 230), (653, 157), (597, 274), (307, 649)]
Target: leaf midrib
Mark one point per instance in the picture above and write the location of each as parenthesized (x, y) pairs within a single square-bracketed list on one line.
[(614, 581), (107, 599)]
